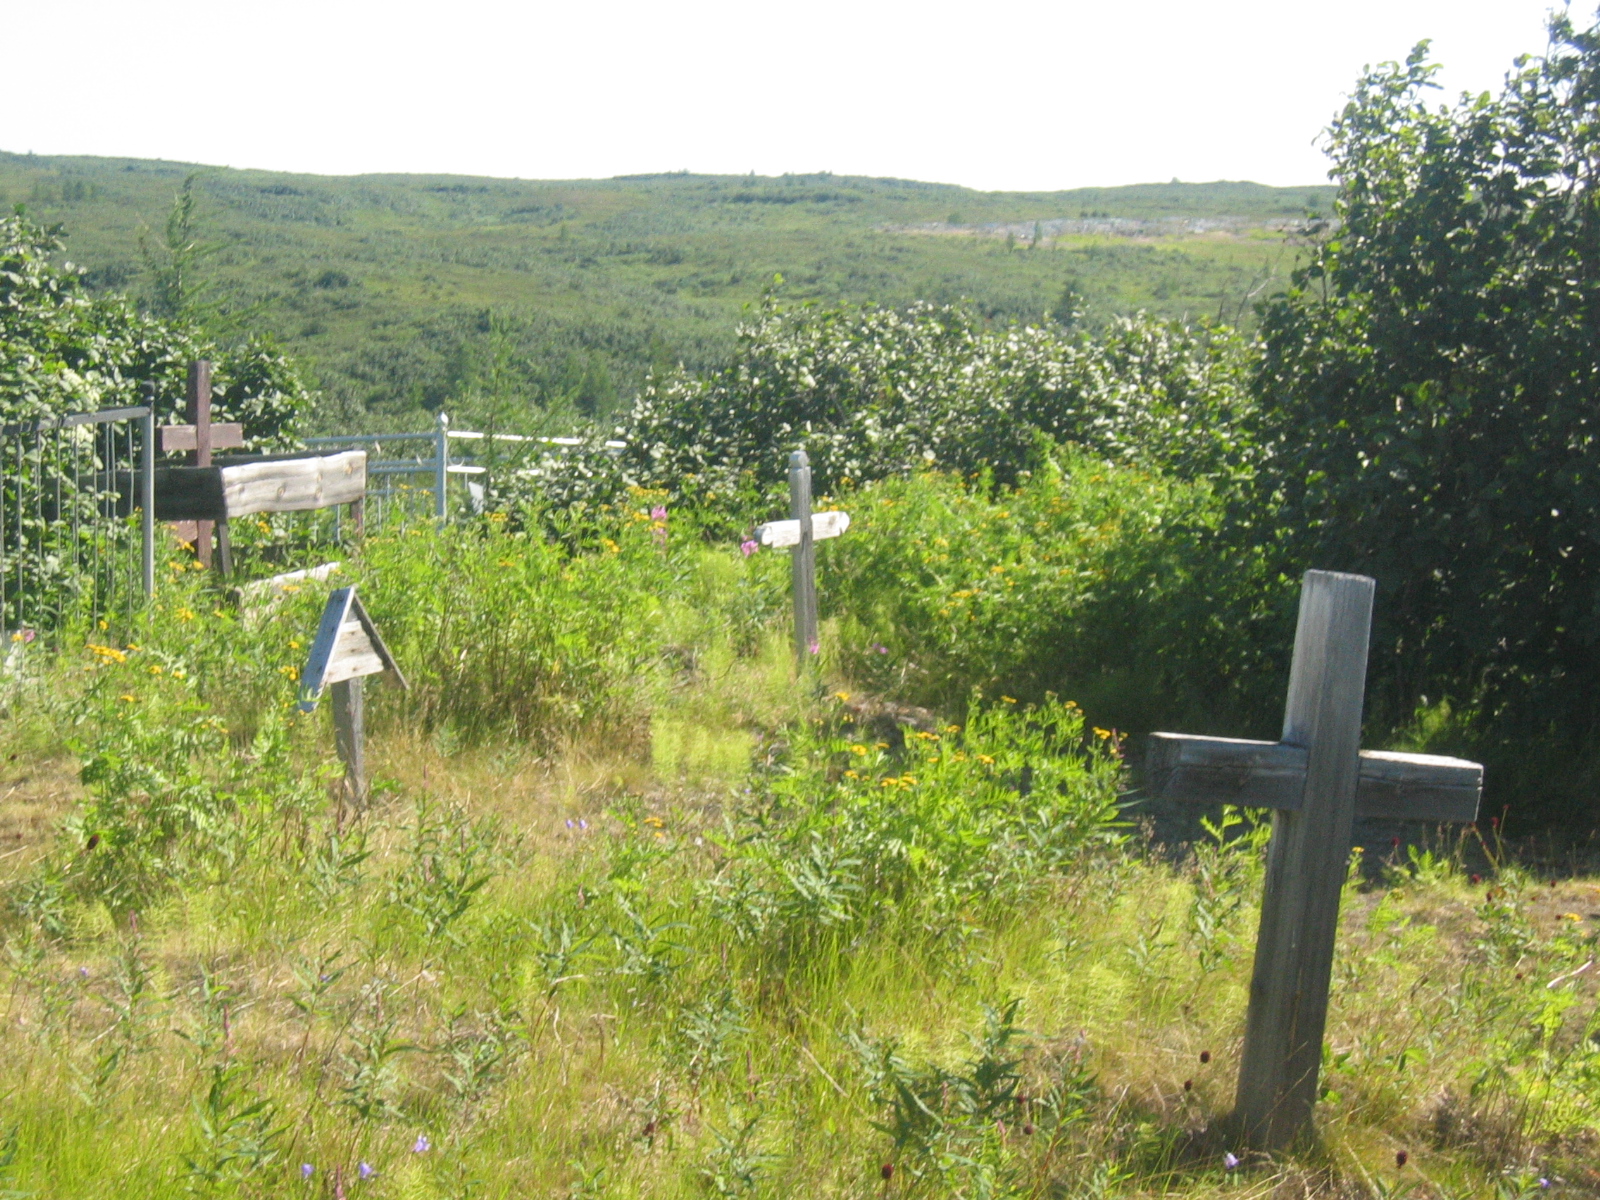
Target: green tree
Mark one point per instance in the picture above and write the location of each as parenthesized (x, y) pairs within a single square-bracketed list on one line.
[(175, 287), (1427, 393)]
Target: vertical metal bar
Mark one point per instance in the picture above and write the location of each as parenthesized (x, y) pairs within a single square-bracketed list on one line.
[(441, 467)]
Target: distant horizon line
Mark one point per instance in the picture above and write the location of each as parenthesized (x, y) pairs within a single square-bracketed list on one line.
[(683, 173)]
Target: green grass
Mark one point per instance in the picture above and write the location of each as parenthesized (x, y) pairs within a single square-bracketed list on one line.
[(385, 283), (637, 912)]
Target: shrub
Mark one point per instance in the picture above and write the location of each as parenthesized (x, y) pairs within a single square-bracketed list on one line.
[(1104, 583)]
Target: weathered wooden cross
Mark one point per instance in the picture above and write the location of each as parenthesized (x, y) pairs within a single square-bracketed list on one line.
[(346, 649), (202, 436), (1317, 779), (802, 531)]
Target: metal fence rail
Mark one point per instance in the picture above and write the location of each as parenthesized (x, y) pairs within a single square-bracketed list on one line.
[(77, 533), (408, 474)]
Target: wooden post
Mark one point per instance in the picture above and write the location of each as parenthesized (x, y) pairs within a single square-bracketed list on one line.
[(349, 736), (804, 563), (1306, 862), (1316, 779), (199, 414)]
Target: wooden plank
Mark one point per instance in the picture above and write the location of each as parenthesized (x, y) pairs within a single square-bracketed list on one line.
[(314, 677), (1390, 784), (1212, 770), (189, 494), (225, 435), (1418, 787), (778, 534), (358, 610), (294, 485), (1306, 864), (260, 595), (271, 485), (353, 654)]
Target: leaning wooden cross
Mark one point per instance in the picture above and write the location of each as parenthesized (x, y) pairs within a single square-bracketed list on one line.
[(1317, 779), (802, 531), (346, 649)]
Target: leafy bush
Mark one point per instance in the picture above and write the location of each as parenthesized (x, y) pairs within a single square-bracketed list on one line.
[(1107, 584), (1427, 392), (62, 350), (871, 393)]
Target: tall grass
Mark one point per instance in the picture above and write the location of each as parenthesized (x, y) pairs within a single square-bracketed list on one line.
[(638, 912)]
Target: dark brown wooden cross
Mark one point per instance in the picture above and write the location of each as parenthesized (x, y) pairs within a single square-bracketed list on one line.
[(202, 436), (1317, 780)]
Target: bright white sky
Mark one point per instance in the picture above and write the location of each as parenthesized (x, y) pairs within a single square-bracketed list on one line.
[(1029, 95)]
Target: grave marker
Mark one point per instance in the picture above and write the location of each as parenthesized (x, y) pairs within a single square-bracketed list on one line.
[(347, 648), (802, 531), (1317, 779)]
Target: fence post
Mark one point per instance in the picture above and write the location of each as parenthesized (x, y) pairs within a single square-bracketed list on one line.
[(804, 563), (441, 467), (147, 494)]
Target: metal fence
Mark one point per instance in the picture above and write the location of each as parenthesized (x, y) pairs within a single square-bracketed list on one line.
[(77, 535), (408, 474)]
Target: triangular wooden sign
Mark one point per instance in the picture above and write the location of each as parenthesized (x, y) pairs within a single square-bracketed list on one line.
[(347, 646)]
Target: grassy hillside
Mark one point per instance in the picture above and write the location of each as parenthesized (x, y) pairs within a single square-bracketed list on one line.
[(412, 291)]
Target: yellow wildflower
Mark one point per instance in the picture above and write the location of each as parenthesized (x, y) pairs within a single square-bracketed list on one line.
[(1008, 699), (858, 749), (986, 759)]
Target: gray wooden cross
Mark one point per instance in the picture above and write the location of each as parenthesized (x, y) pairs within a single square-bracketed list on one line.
[(1317, 780), (802, 531)]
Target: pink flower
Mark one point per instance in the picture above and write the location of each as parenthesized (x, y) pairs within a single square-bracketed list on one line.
[(658, 513), (748, 547), (815, 647)]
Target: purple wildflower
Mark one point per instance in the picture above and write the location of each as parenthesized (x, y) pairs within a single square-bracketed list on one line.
[(582, 824), (878, 648), (83, 972), (1543, 1182), (1230, 1160), (815, 647), (422, 1145), (569, 822), (749, 546), (366, 1171), (307, 1170)]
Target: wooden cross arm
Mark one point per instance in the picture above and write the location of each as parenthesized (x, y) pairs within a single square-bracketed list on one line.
[(1392, 785), (225, 435), (787, 533)]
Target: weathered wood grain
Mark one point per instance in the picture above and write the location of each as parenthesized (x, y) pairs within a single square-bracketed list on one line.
[(1390, 784), (804, 560), (225, 435), (824, 525), (271, 485), (1306, 864)]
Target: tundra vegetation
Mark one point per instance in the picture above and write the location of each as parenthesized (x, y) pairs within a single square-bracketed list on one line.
[(637, 909)]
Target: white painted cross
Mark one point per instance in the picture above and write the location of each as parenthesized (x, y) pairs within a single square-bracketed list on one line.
[(802, 531), (346, 649), (1317, 779)]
